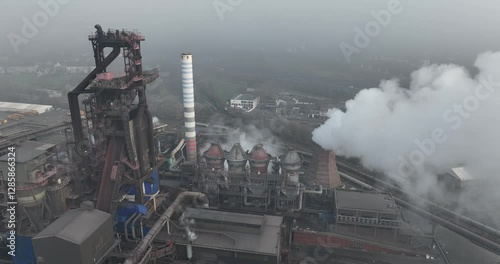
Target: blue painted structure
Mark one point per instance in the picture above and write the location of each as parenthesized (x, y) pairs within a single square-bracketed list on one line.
[(126, 210), (25, 252)]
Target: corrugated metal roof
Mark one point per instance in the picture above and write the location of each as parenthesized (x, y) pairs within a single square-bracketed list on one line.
[(28, 150), (224, 216), (14, 107), (365, 201), (246, 97), (265, 243), (75, 225), (323, 169), (462, 174)]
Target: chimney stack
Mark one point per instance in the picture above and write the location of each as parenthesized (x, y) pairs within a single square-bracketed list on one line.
[(188, 100)]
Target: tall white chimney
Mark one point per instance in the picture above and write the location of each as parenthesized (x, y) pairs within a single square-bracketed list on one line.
[(188, 100)]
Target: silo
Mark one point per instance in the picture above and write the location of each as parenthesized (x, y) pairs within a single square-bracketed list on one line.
[(259, 159), (237, 159)]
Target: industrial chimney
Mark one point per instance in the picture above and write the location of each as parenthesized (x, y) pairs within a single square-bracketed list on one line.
[(188, 100)]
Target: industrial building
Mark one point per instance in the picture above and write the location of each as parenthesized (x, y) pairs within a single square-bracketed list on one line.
[(24, 108), (366, 221), (245, 102), (227, 236), (459, 177), (48, 127), (81, 236), (324, 168), (369, 214), (160, 199), (254, 180), (40, 188)]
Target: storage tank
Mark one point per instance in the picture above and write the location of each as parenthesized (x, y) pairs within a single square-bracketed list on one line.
[(58, 190), (237, 159), (32, 198), (214, 157), (259, 159), (290, 166)]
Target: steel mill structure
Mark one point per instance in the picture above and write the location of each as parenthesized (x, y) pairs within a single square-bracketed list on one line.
[(118, 190), (254, 180)]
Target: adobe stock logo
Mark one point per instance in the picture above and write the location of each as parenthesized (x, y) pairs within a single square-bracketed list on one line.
[(372, 29), (31, 27), (453, 118), (224, 6)]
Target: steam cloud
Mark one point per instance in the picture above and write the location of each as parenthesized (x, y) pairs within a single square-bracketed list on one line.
[(445, 119), (248, 137)]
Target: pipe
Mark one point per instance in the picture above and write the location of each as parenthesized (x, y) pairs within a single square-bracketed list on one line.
[(301, 196), (351, 179), (429, 204), (176, 149), (490, 245), (171, 168), (133, 226), (127, 162), (189, 251), (138, 140), (142, 228), (126, 225), (460, 230), (74, 105), (152, 158), (320, 191), (153, 232)]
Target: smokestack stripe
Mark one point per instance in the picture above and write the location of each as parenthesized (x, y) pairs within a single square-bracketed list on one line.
[(188, 101)]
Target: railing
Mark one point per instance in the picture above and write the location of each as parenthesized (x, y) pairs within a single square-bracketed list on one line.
[(367, 221)]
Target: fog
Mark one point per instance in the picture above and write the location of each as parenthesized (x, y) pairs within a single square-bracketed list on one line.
[(440, 31)]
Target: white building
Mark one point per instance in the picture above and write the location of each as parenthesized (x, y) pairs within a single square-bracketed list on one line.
[(246, 102), (20, 107)]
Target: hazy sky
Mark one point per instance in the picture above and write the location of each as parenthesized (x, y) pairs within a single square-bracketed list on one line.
[(454, 29)]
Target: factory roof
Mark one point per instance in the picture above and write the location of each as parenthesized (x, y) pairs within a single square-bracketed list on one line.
[(365, 201), (323, 169), (21, 107), (265, 243), (227, 217), (462, 174), (75, 225), (246, 97), (45, 119), (28, 150), (55, 139)]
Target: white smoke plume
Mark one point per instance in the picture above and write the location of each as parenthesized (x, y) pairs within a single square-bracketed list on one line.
[(251, 135), (445, 119), (156, 121), (248, 137)]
